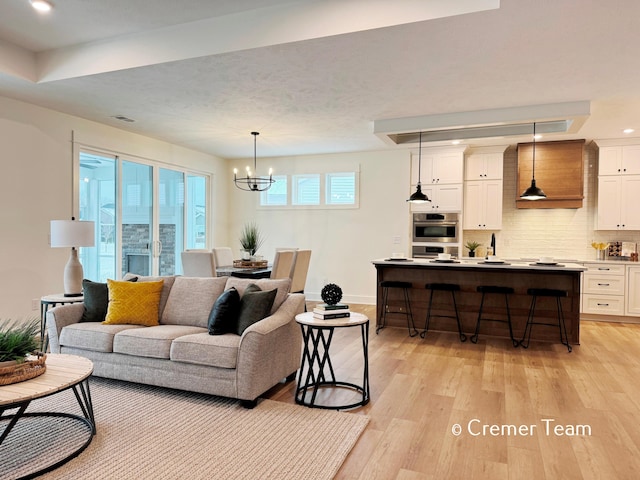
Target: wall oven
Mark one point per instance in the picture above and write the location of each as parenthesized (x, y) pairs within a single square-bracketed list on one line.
[(432, 250), (436, 227)]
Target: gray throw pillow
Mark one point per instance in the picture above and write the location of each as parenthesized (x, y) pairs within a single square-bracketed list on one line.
[(254, 306), (96, 300), (224, 313)]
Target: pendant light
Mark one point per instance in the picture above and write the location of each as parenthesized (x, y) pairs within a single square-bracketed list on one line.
[(253, 183), (533, 192), (418, 196)]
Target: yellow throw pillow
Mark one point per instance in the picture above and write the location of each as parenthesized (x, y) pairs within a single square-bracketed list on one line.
[(134, 306)]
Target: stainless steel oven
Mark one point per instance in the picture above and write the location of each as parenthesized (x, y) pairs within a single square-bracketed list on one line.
[(436, 227), (432, 251)]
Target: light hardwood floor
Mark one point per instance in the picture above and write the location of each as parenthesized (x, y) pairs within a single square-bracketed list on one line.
[(422, 388)]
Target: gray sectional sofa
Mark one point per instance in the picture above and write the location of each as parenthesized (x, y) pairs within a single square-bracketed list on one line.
[(179, 352)]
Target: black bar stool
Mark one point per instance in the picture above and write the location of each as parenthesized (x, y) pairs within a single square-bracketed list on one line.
[(488, 289), (443, 287), (546, 292), (404, 286)]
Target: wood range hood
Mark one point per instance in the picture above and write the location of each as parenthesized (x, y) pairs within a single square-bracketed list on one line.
[(559, 173)]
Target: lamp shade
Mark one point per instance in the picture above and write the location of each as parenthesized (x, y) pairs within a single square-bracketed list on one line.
[(72, 233)]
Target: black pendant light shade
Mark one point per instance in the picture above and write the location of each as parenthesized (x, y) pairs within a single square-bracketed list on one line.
[(533, 192), (418, 196), (252, 182)]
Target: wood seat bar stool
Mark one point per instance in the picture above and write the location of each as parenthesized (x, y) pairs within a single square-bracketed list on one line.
[(546, 292), (492, 289), (443, 287), (405, 287)]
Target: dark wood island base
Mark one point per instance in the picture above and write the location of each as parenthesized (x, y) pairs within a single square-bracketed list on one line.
[(469, 275)]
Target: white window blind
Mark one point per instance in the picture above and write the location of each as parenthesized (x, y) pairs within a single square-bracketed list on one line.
[(306, 190), (341, 188), (277, 194)]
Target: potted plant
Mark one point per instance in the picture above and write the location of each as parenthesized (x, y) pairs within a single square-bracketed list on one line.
[(17, 340), (19, 358), (472, 245), (251, 239)]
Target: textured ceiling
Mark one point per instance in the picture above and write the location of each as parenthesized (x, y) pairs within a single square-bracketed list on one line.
[(318, 89)]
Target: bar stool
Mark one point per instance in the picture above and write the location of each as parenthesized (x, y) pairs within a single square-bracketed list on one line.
[(546, 292), (404, 286), (443, 287), (489, 289)]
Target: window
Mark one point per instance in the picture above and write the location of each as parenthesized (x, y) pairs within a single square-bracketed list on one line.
[(306, 190), (341, 188), (277, 194)]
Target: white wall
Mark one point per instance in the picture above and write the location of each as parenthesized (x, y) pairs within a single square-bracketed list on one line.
[(36, 187), (343, 241)]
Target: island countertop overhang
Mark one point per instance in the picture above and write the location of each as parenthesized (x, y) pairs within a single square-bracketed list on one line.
[(470, 264)]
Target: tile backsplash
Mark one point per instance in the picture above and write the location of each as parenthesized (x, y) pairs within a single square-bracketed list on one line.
[(561, 233)]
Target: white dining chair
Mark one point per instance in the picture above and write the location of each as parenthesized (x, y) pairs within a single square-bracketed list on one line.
[(300, 270), (283, 264), (198, 264), (224, 256)]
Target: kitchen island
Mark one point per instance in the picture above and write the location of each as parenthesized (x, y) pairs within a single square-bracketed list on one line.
[(469, 274)]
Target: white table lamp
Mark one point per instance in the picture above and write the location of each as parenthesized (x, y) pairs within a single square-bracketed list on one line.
[(72, 233)]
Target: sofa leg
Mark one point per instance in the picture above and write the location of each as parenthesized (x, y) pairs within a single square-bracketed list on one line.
[(291, 377), (249, 404)]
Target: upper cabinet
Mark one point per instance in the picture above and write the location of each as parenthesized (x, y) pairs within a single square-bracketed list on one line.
[(559, 172), (619, 160), (618, 185), (440, 173), (484, 166), (483, 171), (437, 166)]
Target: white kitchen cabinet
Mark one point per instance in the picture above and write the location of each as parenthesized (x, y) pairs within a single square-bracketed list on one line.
[(619, 160), (618, 202), (438, 167), (484, 166), (603, 289), (482, 205), (444, 198), (633, 291)]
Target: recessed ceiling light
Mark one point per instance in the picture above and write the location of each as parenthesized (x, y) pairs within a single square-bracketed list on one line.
[(456, 142), (41, 5), (628, 130), (537, 136)]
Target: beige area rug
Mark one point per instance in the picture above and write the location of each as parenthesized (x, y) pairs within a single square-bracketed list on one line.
[(153, 433)]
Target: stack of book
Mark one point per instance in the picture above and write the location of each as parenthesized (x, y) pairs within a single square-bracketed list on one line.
[(324, 311)]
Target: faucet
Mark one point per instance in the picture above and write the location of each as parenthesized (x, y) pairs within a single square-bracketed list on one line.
[(493, 243)]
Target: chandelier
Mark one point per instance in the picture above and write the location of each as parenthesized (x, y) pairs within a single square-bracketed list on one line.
[(252, 182)]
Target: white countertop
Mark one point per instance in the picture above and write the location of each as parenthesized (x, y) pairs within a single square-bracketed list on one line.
[(480, 263)]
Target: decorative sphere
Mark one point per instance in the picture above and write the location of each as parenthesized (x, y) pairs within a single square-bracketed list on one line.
[(331, 294)]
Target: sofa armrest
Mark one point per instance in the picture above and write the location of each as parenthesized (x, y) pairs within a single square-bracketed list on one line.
[(58, 318), (270, 349)]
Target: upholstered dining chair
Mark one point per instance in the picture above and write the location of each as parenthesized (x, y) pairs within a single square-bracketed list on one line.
[(223, 256), (300, 269), (198, 263), (283, 264)]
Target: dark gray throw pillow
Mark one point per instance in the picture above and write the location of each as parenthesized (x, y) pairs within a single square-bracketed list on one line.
[(96, 300), (224, 313), (254, 306)]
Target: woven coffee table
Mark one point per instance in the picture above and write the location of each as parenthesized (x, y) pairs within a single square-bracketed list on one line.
[(63, 372)]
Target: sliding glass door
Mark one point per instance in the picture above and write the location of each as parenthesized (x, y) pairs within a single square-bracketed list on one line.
[(145, 215)]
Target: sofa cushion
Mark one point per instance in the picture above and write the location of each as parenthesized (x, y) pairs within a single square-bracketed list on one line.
[(94, 336), (254, 306), (166, 288), (133, 303), (281, 284), (224, 314), (154, 342), (191, 300), (204, 349), (96, 300)]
